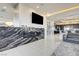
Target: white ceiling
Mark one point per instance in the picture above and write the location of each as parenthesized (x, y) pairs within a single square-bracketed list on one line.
[(41, 8), (7, 11), (48, 8)]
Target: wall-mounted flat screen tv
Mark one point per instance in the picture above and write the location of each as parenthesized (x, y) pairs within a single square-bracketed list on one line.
[(37, 19)]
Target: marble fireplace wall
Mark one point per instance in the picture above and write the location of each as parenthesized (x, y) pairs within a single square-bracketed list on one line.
[(11, 37)]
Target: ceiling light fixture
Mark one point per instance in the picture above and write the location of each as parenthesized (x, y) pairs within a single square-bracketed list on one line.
[(4, 7), (62, 11), (37, 6), (9, 23)]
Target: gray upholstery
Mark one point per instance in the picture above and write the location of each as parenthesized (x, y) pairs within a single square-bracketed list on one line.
[(72, 37)]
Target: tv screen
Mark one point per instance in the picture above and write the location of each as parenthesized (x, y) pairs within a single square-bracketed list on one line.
[(37, 19)]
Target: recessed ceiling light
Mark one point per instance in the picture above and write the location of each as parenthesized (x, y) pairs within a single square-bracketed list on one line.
[(37, 6), (4, 7)]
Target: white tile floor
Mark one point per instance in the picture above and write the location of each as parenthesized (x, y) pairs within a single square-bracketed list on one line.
[(56, 42), (66, 48)]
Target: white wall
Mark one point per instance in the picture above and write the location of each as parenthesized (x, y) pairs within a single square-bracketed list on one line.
[(41, 47), (35, 48), (38, 48), (50, 41), (24, 17)]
